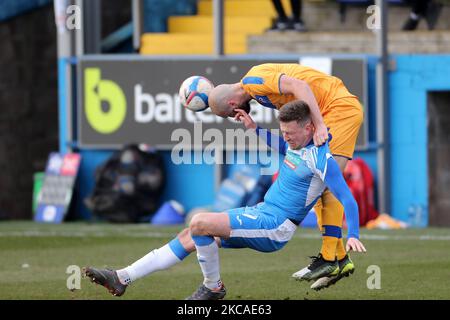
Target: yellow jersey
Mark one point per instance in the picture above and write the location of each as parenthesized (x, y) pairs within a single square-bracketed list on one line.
[(262, 82)]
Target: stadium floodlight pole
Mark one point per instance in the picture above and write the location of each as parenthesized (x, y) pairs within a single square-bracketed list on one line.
[(79, 33), (138, 23), (65, 51), (382, 111), (218, 27), (218, 12)]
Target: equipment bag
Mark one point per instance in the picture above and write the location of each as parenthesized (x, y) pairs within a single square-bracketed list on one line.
[(128, 185)]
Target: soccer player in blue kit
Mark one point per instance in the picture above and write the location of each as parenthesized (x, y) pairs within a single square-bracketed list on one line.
[(304, 174)]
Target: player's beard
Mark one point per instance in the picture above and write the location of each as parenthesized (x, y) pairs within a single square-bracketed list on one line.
[(246, 107)]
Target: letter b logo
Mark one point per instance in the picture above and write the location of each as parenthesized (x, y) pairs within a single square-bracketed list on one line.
[(98, 90)]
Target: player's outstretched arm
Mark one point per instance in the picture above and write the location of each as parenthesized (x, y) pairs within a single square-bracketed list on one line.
[(335, 181), (275, 142)]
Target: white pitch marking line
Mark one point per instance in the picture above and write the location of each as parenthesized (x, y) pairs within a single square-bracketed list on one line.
[(153, 234)]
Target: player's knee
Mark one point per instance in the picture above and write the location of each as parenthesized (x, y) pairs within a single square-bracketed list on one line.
[(198, 224)]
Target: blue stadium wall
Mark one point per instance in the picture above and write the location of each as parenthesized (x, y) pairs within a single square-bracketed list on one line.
[(413, 77)]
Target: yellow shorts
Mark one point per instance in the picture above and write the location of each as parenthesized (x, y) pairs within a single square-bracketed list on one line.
[(344, 118)]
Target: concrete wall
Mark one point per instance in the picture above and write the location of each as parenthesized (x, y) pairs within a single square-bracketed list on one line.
[(348, 42), (413, 78), (325, 16)]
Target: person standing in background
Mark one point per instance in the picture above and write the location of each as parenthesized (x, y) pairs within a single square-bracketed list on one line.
[(283, 23), (428, 9)]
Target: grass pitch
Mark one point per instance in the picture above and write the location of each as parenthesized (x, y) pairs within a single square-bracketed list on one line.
[(414, 264)]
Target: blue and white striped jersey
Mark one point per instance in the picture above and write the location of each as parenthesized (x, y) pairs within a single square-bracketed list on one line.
[(300, 181), (303, 176)]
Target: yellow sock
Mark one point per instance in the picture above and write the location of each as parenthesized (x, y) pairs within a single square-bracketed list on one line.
[(340, 249), (328, 246), (329, 242), (331, 214)]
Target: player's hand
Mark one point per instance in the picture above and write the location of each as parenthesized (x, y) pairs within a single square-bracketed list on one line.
[(354, 244), (320, 135), (245, 118)]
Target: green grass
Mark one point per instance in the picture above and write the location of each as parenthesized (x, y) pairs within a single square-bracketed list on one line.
[(415, 264)]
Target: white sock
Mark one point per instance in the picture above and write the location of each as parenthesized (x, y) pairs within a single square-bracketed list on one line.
[(208, 257), (158, 259)]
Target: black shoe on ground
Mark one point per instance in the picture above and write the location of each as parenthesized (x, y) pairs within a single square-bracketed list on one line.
[(107, 278), (297, 25), (204, 293), (279, 25)]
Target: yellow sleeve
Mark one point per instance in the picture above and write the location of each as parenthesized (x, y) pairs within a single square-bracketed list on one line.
[(262, 80)]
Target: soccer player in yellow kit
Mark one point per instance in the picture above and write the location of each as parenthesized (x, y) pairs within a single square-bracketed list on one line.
[(337, 116)]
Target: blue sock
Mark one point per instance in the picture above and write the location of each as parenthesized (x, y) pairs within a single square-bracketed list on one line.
[(202, 240), (178, 249)]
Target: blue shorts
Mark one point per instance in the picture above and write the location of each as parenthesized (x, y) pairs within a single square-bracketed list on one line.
[(253, 228)]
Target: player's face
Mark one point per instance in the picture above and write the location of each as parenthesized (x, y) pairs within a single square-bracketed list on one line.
[(295, 135)]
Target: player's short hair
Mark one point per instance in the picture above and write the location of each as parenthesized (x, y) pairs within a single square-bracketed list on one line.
[(297, 110)]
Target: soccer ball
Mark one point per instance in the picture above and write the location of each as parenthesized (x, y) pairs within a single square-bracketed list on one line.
[(194, 92)]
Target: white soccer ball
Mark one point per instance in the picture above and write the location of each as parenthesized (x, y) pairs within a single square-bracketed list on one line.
[(194, 93)]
